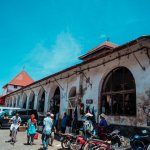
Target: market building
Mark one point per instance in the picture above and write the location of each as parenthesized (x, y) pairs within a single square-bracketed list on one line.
[(111, 79)]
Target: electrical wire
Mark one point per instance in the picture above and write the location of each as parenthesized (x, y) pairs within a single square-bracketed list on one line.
[(75, 72)]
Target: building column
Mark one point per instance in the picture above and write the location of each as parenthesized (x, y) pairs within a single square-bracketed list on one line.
[(46, 102), (27, 104), (35, 100)]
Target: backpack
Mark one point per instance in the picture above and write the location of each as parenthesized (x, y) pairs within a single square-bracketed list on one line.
[(31, 127)]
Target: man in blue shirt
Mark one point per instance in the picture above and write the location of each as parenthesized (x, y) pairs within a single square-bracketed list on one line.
[(64, 123), (47, 127), (103, 122)]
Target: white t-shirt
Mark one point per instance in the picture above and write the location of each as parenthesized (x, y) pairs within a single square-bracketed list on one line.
[(47, 122), (16, 120)]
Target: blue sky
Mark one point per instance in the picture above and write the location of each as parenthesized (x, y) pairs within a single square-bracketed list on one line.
[(46, 36)]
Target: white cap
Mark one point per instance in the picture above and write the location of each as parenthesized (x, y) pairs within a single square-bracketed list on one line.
[(88, 115), (52, 115), (103, 115)]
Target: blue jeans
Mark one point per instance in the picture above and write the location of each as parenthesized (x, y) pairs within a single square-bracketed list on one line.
[(45, 140)]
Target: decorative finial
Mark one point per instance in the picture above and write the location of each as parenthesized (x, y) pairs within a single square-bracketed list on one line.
[(107, 39)]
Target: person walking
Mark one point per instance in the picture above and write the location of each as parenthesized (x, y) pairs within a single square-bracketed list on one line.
[(31, 129), (16, 121), (69, 123), (56, 119), (63, 123), (47, 127), (88, 126), (53, 131)]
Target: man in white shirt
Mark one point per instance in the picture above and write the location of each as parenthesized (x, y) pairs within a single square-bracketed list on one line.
[(16, 120), (47, 129)]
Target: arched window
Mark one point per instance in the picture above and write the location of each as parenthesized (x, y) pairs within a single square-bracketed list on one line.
[(118, 95)]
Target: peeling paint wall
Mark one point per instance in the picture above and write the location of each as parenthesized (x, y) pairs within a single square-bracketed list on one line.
[(90, 84)]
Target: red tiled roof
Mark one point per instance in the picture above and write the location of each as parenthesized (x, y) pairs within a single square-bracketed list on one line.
[(22, 79)]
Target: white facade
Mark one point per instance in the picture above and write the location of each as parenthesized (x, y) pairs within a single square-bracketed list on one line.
[(10, 88), (88, 78)]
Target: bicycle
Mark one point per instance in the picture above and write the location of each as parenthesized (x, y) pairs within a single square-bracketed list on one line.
[(14, 133)]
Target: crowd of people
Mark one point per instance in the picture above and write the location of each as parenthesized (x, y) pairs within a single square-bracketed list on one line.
[(50, 123)]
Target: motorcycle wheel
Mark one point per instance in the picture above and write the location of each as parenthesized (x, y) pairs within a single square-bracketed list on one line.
[(89, 146), (138, 145), (64, 144)]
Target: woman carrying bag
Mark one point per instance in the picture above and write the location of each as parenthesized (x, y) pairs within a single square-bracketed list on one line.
[(31, 129)]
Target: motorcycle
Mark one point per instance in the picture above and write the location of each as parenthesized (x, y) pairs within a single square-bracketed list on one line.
[(140, 141), (85, 144), (66, 140), (108, 142), (113, 136), (79, 142)]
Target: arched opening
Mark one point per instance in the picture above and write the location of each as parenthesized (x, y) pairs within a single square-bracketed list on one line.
[(14, 102), (17, 101), (41, 100), (10, 102), (72, 98), (118, 96), (24, 101), (31, 100), (55, 101), (7, 103)]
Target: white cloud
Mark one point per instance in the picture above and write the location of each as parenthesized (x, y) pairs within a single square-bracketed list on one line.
[(103, 36), (43, 61)]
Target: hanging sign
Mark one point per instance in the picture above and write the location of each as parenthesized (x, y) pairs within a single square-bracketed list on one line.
[(89, 101)]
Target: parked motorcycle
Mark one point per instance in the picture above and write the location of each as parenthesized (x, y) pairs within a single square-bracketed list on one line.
[(85, 144), (79, 142), (96, 144), (113, 136), (140, 141), (112, 140), (66, 140)]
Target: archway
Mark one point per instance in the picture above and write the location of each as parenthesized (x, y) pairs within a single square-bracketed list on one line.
[(31, 100), (72, 98), (55, 101), (7, 103), (41, 100), (14, 102), (10, 102), (118, 95), (17, 101), (24, 100)]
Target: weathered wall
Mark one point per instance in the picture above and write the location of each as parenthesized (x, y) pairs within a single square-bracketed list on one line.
[(93, 90)]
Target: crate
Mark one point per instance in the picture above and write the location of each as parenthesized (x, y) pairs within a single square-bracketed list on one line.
[(22, 128)]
